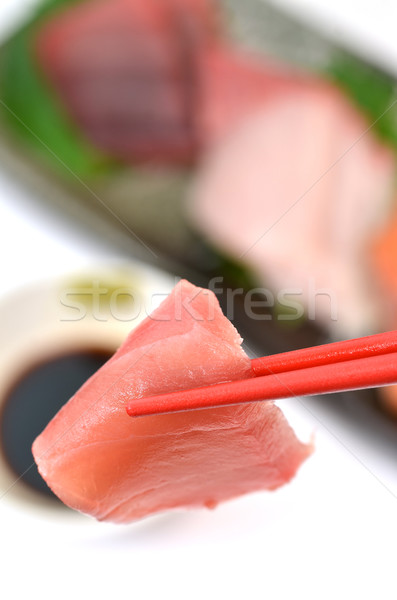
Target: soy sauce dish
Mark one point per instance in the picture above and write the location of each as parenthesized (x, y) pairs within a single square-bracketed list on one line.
[(53, 336)]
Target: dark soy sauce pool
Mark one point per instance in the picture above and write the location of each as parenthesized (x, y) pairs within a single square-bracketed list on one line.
[(34, 400)]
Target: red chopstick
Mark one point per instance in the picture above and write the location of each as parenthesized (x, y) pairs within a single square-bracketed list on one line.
[(341, 366), (372, 345)]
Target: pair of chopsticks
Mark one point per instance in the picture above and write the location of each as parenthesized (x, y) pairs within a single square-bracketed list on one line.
[(341, 366)]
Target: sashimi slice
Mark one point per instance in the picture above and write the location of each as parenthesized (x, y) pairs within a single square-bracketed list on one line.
[(384, 263), (100, 461), (383, 258), (122, 69), (296, 192)]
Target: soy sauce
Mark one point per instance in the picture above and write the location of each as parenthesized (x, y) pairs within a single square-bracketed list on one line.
[(34, 400)]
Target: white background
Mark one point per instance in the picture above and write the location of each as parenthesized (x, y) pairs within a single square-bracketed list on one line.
[(331, 533)]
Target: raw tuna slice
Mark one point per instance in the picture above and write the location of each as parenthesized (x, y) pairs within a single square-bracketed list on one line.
[(113, 467), (123, 71)]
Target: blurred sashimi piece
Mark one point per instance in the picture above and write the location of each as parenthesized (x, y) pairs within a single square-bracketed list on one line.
[(123, 69), (295, 193), (384, 262)]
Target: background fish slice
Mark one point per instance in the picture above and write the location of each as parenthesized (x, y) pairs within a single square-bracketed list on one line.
[(125, 72)]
